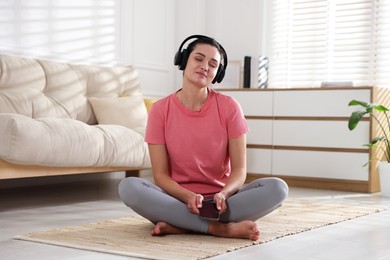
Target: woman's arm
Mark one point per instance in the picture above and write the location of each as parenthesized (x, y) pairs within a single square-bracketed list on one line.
[(237, 153), (159, 158)]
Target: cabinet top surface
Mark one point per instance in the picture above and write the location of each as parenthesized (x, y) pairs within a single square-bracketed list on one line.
[(295, 89)]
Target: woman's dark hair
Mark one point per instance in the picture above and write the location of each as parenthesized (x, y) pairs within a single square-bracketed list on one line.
[(209, 41)]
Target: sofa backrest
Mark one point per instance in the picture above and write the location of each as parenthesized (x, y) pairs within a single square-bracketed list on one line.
[(42, 88)]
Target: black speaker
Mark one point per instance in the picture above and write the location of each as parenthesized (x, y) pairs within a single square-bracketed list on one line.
[(247, 72), (181, 57)]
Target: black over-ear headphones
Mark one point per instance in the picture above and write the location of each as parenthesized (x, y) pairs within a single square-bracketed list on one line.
[(181, 57)]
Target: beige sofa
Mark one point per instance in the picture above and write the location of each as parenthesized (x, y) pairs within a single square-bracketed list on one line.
[(58, 118)]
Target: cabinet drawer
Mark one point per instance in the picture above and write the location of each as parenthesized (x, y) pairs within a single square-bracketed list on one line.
[(315, 103), (331, 165), (259, 161), (312, 133), (260, 132), (253, 103)]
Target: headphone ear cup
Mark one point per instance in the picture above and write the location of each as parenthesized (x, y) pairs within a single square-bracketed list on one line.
[(220, 74), (183, 59), (177, 59)]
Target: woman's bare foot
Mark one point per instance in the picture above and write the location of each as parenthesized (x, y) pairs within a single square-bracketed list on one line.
[(244, 229), (162, 228)]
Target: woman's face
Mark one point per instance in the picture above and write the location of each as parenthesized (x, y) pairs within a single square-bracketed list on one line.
[(202, 65)]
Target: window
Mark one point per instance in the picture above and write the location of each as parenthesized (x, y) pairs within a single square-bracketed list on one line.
[(315, 41), (73, 30)]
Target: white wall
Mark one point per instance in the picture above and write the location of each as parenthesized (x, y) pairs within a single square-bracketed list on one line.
[(152, 39), (143, 33)]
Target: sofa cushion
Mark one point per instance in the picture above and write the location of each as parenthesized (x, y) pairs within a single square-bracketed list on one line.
[(129, 111), (109, 81), (66, 90), (69, 143), (43, 88), (22, 82)]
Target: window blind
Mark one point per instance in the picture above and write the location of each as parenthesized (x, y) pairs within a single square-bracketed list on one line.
[(315, 41), (71, 30), (382, 44)]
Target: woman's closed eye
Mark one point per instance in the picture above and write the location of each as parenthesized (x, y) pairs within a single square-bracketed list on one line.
[(213, 65)]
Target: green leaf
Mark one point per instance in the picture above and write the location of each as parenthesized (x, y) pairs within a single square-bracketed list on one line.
[(378, 139), (368, 106), (358, 103), (370, 146), (355, 118), (381, 108)]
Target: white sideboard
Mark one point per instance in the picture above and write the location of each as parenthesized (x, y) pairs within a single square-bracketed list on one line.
[(302, 136)]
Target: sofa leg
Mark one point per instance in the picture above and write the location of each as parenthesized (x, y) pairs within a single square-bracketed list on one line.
[(132, 173)]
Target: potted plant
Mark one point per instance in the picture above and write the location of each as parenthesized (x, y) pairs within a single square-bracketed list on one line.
[(381, 141)]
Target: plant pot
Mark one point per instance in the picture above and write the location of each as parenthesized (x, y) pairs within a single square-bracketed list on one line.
[(384, 178)]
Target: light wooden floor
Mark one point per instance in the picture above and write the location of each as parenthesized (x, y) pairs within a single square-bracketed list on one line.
[(41, 204)]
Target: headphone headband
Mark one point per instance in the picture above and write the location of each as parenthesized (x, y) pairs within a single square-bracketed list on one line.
[(181, 57)]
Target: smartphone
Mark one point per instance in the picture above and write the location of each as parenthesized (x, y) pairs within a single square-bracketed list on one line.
[(209, 210)]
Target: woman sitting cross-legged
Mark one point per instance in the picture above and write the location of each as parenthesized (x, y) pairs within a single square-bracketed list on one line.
[(197, 144)]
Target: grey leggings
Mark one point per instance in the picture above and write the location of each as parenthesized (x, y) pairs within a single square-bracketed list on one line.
[(251, 202)]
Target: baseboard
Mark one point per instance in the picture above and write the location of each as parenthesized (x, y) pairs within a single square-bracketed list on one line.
[(318, 183)]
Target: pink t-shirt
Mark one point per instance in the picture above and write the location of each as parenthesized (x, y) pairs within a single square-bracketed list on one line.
[(197, 141)]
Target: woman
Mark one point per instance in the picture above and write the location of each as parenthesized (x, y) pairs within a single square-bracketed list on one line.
[(197, 144)]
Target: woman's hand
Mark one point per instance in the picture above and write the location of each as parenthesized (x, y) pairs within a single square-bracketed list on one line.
[(220, 202), (194, 202)]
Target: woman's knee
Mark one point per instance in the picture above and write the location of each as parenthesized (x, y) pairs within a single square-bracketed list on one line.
[(128, 189), (279, 189), (282, 188), (277, 186)]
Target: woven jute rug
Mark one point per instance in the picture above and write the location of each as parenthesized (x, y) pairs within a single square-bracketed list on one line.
[(130, 236)]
